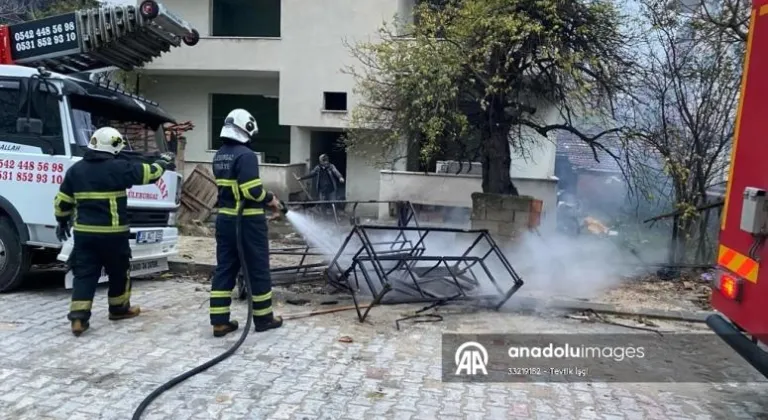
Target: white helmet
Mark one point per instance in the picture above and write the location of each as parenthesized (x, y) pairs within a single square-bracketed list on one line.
[(239, 126), (107, 139)]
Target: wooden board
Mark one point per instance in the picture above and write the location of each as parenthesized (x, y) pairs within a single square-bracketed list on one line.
[(198, 195)]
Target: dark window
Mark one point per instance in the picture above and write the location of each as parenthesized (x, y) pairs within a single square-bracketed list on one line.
[(335, 101), (246, 18), (44, 106), (274, 140)]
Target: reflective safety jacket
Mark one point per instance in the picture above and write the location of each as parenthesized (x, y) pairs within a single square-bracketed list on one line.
[(236, 169), (95, 189)]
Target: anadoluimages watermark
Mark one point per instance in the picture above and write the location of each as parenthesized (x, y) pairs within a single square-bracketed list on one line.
[(688, 358)]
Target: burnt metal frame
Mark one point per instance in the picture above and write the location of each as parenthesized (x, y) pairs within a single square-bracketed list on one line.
[(379, 282)]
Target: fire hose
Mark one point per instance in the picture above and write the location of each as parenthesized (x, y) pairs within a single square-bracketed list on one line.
[(230, 351)]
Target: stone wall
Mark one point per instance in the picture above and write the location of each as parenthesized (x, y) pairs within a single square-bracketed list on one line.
[(505, 216)]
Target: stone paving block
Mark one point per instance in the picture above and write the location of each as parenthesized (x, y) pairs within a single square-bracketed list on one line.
[(300, 371)]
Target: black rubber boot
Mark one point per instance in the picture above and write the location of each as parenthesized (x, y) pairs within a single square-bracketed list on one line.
[(224, 329), (127, 313), (266, 323), (79, 327)]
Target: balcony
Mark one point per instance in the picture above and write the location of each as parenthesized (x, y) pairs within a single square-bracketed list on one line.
[(222, 54)]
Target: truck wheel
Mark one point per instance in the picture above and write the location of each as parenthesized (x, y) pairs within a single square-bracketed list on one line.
[(149, 9), (14, 257), (192, 39)]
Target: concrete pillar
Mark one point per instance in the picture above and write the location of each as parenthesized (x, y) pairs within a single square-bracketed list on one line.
[(505, 217), (301, 140)]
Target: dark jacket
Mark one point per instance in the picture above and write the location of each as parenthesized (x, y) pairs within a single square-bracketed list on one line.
[(320, 172), (95, 188), (236, 169)]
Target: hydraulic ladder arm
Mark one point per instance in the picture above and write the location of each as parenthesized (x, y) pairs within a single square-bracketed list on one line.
[(125, 37)]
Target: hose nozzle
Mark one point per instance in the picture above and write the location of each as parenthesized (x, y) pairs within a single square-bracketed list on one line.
[(283, 207)]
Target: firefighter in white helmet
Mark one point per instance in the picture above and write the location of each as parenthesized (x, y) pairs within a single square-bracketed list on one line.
[(236, 169), (94, 189)]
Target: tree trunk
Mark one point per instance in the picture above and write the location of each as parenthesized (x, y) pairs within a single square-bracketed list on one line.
[(496, 162)]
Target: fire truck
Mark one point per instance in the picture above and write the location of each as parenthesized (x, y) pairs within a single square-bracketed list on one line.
[(53, 95), (740, 295)]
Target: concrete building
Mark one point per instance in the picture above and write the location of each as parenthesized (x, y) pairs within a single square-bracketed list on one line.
[(283, 60)]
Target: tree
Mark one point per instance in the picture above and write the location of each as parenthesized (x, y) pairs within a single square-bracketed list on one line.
[(16, 11), (725, 19), (471, 75), (682, 115)]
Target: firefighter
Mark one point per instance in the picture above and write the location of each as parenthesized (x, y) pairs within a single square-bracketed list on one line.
[(95, 190), (236, 169)]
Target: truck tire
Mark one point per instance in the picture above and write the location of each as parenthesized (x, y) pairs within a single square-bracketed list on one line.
[(14, 257)]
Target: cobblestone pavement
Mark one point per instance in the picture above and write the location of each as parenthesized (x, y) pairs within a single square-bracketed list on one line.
[(301, 371)]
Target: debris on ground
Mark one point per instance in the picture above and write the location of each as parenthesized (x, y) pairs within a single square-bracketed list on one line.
[(688, 293), (345, 339), (590, 315)]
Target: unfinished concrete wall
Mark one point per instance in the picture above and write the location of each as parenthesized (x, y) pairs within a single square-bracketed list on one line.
[(506, 217), (450, 190)]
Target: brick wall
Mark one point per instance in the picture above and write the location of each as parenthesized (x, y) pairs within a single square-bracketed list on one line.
[(505, 216)]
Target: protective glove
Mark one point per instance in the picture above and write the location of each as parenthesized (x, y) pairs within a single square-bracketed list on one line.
[(167, 161), (62, 231)]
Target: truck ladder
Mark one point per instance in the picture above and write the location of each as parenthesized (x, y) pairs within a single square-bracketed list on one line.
[(86, 40)]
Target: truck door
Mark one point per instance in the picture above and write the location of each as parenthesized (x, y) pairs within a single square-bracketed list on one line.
[(32, 165)]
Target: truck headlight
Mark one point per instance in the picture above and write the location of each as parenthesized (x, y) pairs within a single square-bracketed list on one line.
[(172, 219)]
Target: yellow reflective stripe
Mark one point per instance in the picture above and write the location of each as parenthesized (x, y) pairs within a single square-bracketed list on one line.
[(220, 310), (100, 195), (80, 305), (220, 294), (262, 312), (226, 182), (262, 298), (65, 198), (99, 229), (59, 213), (113, 212), (146, 172), (246, 212), (120, 300), (246, 186), (247, 194), (256, 182), (156, 171)]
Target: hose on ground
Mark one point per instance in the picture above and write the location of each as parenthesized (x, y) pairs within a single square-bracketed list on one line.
[(229, 352)]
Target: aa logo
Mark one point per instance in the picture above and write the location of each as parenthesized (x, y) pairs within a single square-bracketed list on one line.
[(471, 358)]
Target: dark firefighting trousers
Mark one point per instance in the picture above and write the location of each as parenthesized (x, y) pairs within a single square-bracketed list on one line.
[(256, 250), (91, 254)]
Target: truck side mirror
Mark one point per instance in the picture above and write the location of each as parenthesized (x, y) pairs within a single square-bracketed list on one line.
[(29, 126)]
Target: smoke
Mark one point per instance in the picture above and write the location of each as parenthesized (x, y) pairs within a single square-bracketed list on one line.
[(576, 267)]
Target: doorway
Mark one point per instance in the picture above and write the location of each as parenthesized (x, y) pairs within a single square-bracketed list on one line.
[(330, 143)]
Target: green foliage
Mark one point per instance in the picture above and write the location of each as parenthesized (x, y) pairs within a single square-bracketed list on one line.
[(58, 7), (471, 73)]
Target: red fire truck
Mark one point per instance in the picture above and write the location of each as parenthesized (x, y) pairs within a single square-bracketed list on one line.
[(740, 294)]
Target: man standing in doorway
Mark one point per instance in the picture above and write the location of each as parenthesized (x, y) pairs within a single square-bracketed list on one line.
[(326, 177)]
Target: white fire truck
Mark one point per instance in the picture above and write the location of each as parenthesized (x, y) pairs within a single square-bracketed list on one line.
[(51, 102)]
